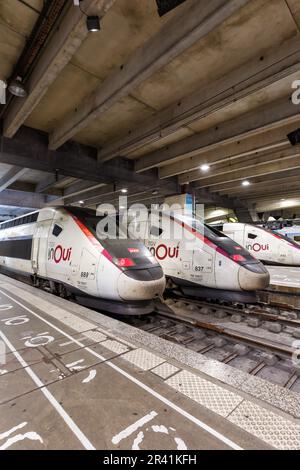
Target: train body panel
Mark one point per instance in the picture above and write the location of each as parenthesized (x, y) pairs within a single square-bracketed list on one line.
[(263, 244), (61, 246), (193, 254)]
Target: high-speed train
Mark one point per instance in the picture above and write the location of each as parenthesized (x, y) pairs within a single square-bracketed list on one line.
[(58, 249), (291, 232), (270, 247), (201, 260)]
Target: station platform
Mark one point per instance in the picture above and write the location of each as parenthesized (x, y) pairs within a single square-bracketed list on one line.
[(73, 378), (284, 289), (285, 276)]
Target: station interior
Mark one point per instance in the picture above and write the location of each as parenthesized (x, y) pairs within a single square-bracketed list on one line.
[(149, 225)]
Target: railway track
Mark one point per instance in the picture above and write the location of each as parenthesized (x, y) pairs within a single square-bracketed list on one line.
[(208, 329)]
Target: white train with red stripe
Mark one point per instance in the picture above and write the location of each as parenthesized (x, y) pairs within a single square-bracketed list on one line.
[(58, 248), (207, 263), (270, 247)]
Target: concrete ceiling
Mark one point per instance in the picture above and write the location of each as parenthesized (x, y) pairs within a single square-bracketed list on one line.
[(147, 100)]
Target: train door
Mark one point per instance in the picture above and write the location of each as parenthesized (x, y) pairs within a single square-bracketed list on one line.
[(40, 248), (63, 255)]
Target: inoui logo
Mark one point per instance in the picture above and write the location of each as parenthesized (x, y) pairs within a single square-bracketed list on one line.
[(257, 247), (162, 252), (59, 254), (3, 86)]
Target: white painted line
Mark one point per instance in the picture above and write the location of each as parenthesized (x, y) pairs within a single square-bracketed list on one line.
[(133, 427), (90, 377), (6, 434), (33, 436), (72, 364), (145, 387), (67, 419)]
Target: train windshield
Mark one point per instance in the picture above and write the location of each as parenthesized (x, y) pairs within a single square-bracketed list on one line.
[(224, 244), (125, 252)]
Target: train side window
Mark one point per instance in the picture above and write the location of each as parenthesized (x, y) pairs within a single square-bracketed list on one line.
[(252, 236), (156, 231), (56, 230)]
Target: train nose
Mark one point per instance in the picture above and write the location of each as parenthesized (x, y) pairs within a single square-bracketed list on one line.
[(141, 284), (253, 276)]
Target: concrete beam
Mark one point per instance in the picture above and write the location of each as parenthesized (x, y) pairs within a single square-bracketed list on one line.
[(196, 21), (271, 140), (81, 188), (271, 116), (10, 197), (256, 75), (275, 189), (289, 176), (204, 196), (47, 183), (290, 163), (233, 165), (245, 215), (62, 45), (29, 149), (90, 194), (11, 176)]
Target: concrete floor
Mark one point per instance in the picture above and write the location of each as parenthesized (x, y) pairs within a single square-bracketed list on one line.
[(66, 385)]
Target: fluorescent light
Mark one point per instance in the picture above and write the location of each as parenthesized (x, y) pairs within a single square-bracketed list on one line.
[(204, 167), (246, 183)]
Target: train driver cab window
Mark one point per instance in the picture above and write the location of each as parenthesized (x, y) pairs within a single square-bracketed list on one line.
[(252, 236), (56, 230), (156, 231)]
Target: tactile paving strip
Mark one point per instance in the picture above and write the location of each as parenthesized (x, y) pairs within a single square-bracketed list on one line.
[(95, 336), (143, 359), (165, 370), (114, 346), (270, 427), (206, 393)]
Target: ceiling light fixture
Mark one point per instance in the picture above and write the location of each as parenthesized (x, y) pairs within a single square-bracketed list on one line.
[(17, 88), (92, 21), (124, 190), (81, 202), (246, 183), (204, 167)]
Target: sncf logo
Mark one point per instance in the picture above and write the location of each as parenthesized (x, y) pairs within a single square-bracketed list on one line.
[(256, 247), (59, 254), (162, 252)]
